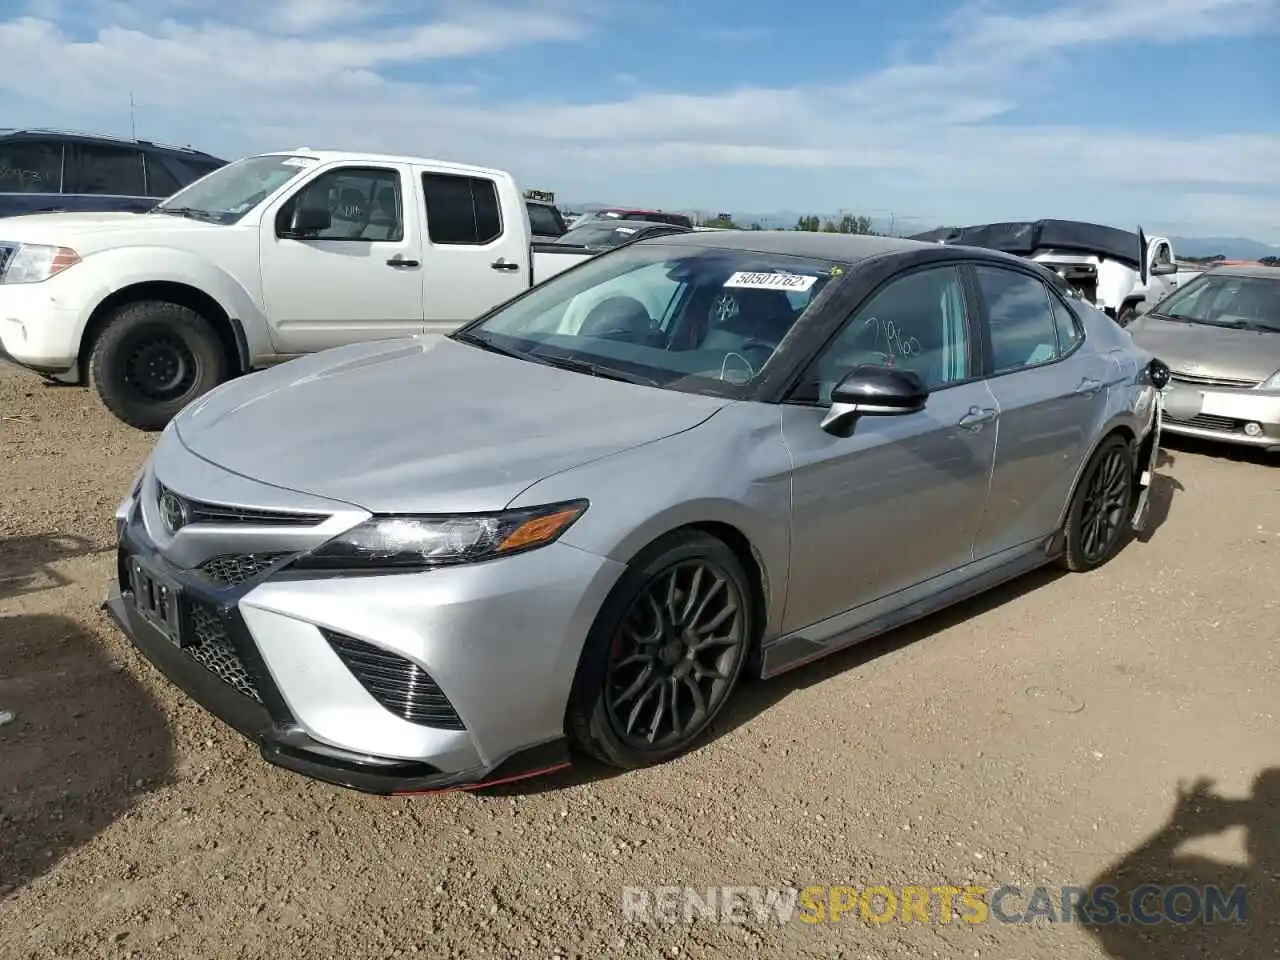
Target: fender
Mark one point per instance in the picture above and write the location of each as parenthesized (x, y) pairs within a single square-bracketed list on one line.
[(116, 269)]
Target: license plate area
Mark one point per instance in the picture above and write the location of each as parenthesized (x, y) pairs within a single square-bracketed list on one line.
[(157, 599)]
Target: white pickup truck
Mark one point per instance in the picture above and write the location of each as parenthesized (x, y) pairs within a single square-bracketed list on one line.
[(265, 259), (1112, 269)]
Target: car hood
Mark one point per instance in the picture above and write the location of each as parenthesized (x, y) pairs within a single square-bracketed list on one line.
[(64, 228), (1205, 351), (424, 425)]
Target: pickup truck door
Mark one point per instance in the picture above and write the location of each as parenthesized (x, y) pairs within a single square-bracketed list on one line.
[(475, 242), (358, 279)]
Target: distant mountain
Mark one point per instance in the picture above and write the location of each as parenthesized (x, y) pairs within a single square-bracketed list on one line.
[(1233, 248)]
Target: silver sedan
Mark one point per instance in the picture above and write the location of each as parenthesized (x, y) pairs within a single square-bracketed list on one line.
[(573, 525)]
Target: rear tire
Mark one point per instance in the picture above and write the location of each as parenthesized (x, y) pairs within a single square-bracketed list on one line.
[(665, 653), (1101, 508), (152, 359)]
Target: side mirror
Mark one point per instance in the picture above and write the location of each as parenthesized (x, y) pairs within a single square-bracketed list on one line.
[(1163, 269), (304, 220), (871, 391)]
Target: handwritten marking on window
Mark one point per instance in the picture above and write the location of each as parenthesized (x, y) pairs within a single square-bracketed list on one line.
[(896, 343), (21, 175)]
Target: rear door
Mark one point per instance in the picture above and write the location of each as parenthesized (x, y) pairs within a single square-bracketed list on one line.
[(360, 279), (476, 245), (1051, 390)]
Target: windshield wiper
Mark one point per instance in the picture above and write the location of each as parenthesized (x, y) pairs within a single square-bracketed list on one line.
[(1250, 325), (486, 344), (190, 213), (592, 369)]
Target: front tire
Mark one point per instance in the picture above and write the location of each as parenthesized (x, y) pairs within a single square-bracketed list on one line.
[(152, 359), (665, 653), (1101, 507)]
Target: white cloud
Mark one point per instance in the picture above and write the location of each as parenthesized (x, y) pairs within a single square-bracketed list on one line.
[(241, 76)]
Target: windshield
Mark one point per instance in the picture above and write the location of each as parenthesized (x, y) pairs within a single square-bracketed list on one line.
[(230, 192), (690, 318), (1222, 300), (599, 234)]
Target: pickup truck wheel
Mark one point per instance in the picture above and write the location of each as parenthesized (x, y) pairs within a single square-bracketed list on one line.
[(152, 359)]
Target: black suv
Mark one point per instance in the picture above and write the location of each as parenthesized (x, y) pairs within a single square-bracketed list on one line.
[(51, 170)]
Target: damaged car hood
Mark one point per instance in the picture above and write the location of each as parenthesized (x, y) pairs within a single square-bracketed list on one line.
[(1204, 350)]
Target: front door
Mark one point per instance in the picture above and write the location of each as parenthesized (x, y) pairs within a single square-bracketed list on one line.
[(359, 279), (900, 500), (1050, 393)]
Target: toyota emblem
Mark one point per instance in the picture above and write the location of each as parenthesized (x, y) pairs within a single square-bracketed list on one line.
[(173, 511)]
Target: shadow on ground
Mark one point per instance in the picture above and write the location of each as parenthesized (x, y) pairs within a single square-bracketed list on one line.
[(1234, 452), (1160, 499), (26, 562), (1200, 907), (755, 696), (84, 742)]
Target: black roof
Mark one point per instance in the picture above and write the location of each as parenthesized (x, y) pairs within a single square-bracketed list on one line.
[(100, 138), (844, 247)]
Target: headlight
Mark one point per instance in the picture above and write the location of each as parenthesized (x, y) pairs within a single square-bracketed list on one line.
[(1272, 382), (36, 262), (416, 543)]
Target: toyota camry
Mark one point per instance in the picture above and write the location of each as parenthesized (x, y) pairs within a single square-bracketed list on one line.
[(574, 525)]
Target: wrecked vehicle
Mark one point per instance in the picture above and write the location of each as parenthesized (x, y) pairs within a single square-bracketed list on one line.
[(1113, 269)]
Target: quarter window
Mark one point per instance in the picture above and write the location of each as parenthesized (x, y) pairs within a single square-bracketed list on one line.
[(461, 210), (30, 167), (1022, 325), (160, 182), (94, 168), (363, 204), (1070, 332), (917, 322)]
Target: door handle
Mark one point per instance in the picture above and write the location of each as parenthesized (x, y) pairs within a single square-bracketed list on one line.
[(502, 263), (1089, 386), (399, 261), (976, 418)]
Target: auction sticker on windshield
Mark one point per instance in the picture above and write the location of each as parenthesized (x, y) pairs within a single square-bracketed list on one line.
[(770, 281)]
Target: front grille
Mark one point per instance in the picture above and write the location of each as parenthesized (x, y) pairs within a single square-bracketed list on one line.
[(1180, 377), (213, 650), (198, 511), (397, 683), (233, 569), (1207, 421)]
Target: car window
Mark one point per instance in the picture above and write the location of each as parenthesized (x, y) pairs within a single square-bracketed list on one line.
[(1163, 254), (693, 318), (916, 322), (363, 204), (461, 210), (30, 166), (1217, 299), (1070, 330), (160, 181), (94, 168), (1022, 327), (542, 220)]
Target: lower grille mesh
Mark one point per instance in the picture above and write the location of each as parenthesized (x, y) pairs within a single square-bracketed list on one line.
[(233, 569), (397, 683), (1207, 421), (213, 651)]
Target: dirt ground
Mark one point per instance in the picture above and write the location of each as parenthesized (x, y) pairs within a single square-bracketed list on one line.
[(1035, 736)]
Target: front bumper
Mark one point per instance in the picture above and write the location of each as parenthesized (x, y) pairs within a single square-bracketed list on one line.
[(497, 642), (1245, 417), (40, 325)]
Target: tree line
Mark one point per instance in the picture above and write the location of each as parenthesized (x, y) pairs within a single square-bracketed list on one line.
[(847, 223)]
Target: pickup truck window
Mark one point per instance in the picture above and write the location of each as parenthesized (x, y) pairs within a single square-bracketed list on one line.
[(461, 210), (30, 167), (99, 169), (363, 204), (230, 192)]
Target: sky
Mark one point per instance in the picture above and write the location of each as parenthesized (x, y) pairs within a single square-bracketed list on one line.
[(1164, 113)]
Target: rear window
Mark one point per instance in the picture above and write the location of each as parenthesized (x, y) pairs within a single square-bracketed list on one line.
[(544, 221), (30, 166)]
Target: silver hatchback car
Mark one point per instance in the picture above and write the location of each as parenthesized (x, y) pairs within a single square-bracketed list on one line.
[(573, 525)]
